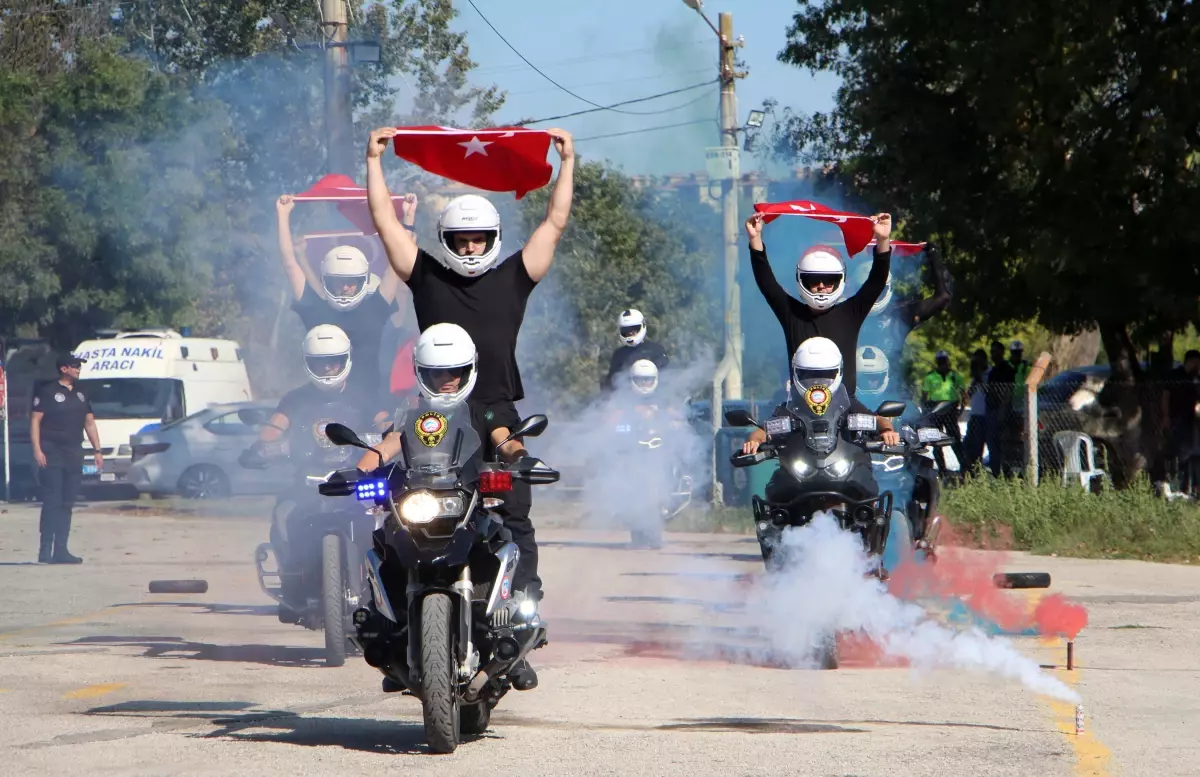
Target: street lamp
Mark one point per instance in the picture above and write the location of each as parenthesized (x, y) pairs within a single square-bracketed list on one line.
[(755, 120), (698, 7), (364, 51)]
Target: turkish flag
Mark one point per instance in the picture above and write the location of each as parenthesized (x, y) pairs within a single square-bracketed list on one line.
[(857, 230), (903, 249), (504, 159), (351, 200)]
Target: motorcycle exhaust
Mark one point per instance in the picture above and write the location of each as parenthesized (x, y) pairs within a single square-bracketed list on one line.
[(499, 665)]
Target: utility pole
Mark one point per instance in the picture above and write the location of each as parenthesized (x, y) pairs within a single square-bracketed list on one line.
[(729, 206), (339, 151)]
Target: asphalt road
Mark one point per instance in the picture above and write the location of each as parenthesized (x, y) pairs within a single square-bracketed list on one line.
[(98, 675)]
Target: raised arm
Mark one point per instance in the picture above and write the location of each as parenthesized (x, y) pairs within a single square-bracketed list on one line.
[(398, 242), (941, 289), (390, 281), (768, 286), (287, 250), (866, 296), (539, 250)]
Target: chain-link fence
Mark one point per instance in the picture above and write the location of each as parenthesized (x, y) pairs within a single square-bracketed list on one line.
[(1084, 429)]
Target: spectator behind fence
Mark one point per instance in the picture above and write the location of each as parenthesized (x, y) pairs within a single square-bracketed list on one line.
[(944, 384), (977, 419), (999, 408), (1179, 413)]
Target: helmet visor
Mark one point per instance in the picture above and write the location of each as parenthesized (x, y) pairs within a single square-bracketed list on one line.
[(630, 331), (444, 380), (826, 282), (327, 366), (344, 286), (871, 381), (809, 377), (471, 242), (645, 382)]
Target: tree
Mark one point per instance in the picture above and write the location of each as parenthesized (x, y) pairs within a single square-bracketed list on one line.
[(624, 247), (1049, 146)]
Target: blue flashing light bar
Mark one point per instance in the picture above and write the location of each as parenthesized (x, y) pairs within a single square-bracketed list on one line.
[(370, 490)]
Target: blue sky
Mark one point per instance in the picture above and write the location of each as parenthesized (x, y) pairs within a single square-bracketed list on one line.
[(613, 50)]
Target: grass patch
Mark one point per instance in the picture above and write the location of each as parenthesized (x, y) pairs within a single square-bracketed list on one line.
[(1053, 518)]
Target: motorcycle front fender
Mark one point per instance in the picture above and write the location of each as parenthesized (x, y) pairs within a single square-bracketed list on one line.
[(453, 554)]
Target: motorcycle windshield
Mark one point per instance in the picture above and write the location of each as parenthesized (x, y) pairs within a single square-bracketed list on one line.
[(820, 414), (441, 450)]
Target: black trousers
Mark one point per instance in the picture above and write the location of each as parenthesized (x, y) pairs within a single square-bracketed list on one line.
[(973, 444), (60, 487)]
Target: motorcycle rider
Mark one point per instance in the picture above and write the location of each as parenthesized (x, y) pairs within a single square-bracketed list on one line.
[(631, 328), (466, 282), (445, 362), (821, 278), (343, 294), (327, 396)]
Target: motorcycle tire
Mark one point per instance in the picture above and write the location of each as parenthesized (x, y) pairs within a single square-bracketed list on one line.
[(333, 599), (439, 700), (1022, 580), (474, 718)]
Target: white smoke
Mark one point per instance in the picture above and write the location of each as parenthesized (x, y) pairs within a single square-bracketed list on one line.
[(824, 589)]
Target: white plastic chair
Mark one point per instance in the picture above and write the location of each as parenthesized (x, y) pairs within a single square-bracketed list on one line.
[(1079, 459)]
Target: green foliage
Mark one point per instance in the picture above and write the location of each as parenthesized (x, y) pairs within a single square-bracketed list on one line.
[(1048, 144), (1063, 519), (624, 247)]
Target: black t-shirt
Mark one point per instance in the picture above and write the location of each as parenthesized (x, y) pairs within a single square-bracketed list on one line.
[(308, 409), (1183, 394), (363, 325), (840, 323), (624, 357), (490, 307), (64, 411)]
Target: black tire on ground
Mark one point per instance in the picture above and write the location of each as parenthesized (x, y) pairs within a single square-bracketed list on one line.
[(333, 598), (439, 702), (1022, 580), (203, 481), (474, 718), (178, 586)]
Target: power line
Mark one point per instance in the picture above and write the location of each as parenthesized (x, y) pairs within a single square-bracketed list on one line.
[(595, 57), (616, 81), (630, 102), (647, 129), (598, 106)]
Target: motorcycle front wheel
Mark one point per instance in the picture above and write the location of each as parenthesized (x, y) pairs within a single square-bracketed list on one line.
[(333, 600), (439, 701)]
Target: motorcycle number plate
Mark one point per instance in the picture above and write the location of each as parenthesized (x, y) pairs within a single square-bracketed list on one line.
[(623, 428)]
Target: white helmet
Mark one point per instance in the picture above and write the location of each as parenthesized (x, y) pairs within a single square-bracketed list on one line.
[(872, 366), (817, 362), (632, 327), (643, 373), (345, 266), (327, 356), (445, 348), (821, 263), (860, 276), (469, 213)]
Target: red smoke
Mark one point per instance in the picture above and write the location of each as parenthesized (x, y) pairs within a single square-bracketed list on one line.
[(1055, 616)]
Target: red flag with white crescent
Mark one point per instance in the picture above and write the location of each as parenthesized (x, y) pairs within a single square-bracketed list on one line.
[(351, 200), (857, 230), (501, 159)]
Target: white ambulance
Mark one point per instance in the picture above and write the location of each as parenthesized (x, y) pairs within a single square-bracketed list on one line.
[(149, 378)]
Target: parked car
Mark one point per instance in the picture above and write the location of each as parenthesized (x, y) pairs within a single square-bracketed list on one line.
[(196, 456)]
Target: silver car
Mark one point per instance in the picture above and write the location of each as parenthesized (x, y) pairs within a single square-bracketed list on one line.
[(197, 456)]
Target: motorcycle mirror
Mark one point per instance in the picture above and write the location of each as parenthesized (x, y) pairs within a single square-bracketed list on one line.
[(739, 417), (941, 407), (254, 416), (344, 435), (532, 426), (890, 409)]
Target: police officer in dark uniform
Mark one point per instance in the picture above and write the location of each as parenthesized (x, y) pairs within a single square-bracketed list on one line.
[(61, 413)]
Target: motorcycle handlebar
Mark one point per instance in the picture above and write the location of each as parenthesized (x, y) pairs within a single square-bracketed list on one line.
[(879, 447)]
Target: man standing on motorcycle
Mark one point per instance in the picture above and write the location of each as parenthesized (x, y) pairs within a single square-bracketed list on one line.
[(631, 328), (303, 413), (821, 278), (466, 282), (445, 362), (893, 317)]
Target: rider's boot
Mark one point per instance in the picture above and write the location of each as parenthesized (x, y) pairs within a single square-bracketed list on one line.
[(525, 610)]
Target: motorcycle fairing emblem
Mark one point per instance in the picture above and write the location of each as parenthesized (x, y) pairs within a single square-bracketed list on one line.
[(817, 398), (431, 428)]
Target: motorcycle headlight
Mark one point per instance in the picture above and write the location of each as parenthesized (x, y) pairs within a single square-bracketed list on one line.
[(840, 468), (801, 468), (423, 507)]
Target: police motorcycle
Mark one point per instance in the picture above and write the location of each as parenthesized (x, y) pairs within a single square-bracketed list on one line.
[(442, 622), (324, 541), (655, 482)]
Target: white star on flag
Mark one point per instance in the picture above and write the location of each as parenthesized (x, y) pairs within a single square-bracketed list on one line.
[(476, 146)]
